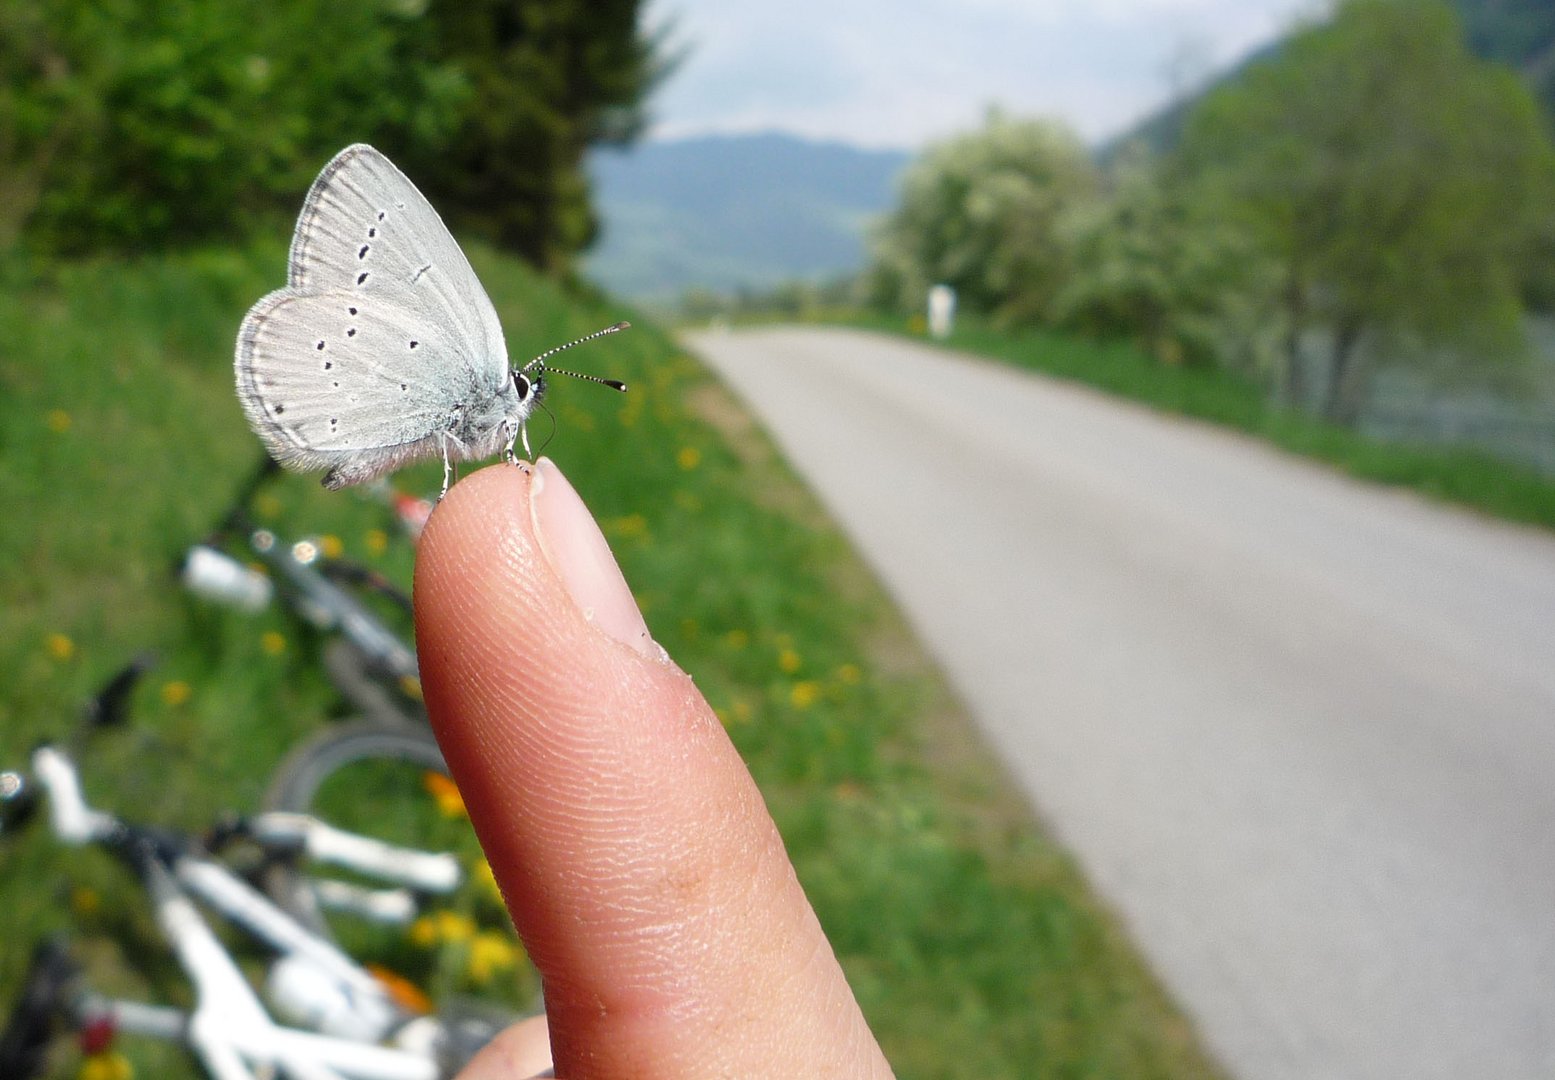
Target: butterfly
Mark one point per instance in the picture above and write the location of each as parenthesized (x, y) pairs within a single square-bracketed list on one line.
[(383, 348)]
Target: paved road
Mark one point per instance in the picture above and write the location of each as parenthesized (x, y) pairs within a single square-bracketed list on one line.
[(1299, 730)]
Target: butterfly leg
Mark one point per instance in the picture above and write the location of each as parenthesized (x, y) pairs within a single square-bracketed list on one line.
[(521, 433), (449, 441)]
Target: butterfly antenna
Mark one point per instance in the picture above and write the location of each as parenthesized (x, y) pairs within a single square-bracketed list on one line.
[(539, 361)]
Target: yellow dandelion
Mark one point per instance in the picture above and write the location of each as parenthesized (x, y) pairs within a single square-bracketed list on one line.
[(490, 953), (688, 458), (849, 673), (331, 546), (788, 661), (629, 527), (804, 694), (266, 505), (59, 421), (742, 711), (452, 926), (60, 647), (273, 642), (445, 793), (737, 639), (175, 692), (106, 1066), (377, 541), (423, 932)]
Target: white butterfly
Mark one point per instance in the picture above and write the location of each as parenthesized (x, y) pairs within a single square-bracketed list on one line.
[(383, 348)]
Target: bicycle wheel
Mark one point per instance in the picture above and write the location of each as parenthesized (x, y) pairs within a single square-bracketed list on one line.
[(388, 782)]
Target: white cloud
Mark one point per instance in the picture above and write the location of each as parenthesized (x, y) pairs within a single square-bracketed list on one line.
[(878, 72)]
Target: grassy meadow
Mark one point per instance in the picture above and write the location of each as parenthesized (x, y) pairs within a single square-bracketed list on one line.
[(970, 939)]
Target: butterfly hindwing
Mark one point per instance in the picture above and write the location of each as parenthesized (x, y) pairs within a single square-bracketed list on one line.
[(325, 378)]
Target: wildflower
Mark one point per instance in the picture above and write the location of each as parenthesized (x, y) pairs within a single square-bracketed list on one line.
[(273, 642), (60, 647), (737, 639), (58, 421), (789, 661), (331, 546), (849, 674), (688, 458), (490, 953), (432, 930), (405, 993), (175, 693), (106, 1065), (377, 541), (445, 793), (804, 694), (629, 527)]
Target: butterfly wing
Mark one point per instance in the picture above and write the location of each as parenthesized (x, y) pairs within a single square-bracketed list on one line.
[(328, 381), (365, 228)]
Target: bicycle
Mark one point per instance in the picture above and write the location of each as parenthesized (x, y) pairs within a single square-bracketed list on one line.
[(367, 659), (337, 1018)]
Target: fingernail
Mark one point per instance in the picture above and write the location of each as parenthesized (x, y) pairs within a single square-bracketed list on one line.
[(577, 551)]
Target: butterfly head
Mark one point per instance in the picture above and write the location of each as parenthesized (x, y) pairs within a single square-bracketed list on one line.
[(530, 386)]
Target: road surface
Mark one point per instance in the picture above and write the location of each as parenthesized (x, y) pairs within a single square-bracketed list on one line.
[(1299, 730)]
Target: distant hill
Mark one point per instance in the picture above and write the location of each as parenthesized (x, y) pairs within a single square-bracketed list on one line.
[(732, 212), (1519, 33)]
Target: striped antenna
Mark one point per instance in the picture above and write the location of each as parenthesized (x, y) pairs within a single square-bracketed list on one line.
[(540, 364)]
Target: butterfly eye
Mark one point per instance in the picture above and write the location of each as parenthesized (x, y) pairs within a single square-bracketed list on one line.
[(521, 384)]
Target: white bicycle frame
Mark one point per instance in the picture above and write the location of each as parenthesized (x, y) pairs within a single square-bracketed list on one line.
[(229, 1029)]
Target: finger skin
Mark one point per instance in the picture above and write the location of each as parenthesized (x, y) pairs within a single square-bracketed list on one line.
[(633, 849)]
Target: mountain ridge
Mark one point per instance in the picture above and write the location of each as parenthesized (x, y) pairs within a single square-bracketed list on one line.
[(733, 212)]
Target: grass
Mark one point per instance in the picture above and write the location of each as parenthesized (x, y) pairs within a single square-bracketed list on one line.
[(1460, 475), (968, 935)]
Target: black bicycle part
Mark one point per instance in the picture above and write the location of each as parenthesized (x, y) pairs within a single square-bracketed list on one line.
[(43, 1010)]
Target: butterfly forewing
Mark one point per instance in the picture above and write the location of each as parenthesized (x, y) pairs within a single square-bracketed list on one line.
[(366, 230)]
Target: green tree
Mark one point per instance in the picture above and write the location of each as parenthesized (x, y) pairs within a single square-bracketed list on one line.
[(550, 79), (980, 212), (1148, 263), (1396, 180), (128, 124)]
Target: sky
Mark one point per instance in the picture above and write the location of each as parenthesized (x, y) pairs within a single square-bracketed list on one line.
[(901, 73)]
